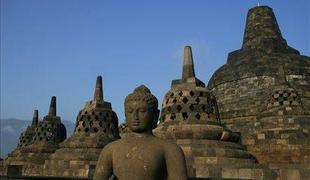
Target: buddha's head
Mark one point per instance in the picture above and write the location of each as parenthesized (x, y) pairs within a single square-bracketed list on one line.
[(141, 110)]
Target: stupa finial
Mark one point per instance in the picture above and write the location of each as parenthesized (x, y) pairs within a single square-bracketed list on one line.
[(52, 110), (188, 65), (35, 118), (98, 95)]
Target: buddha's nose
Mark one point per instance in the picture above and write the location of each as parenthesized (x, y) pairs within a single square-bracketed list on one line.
[(135, 115)]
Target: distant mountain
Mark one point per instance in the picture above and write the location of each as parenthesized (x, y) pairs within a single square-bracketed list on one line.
[(10, 130)]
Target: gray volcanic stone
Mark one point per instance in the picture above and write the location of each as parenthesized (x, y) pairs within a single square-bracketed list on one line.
[(263, 92), (190, 117), (39, 141), (96, 126), (140, 155)]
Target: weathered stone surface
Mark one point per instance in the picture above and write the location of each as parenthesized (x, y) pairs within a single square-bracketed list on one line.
[(96, 126), (37, 143), (263, 93), (139, 154), (190, 117)]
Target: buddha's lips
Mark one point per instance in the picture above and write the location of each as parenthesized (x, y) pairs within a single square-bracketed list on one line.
[(135, 123)]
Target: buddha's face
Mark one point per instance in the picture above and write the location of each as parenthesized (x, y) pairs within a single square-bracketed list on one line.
[(140, 116)]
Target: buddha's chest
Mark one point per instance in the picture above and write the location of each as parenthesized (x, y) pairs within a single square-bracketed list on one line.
[(138, 160)]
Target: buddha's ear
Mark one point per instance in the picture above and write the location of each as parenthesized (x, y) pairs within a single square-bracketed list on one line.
[(156, 115)]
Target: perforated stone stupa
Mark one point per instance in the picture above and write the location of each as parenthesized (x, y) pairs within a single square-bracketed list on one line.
[(190, 117), (39, 141), (17, 158), (26, 137), (263, 92), (96, 126)]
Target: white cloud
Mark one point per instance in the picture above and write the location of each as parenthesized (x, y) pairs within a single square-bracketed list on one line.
[(8, 129)]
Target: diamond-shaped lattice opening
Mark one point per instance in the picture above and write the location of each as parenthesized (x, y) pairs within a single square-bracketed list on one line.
[(169, 108), (179, 107), (100, 124), (174, 100), (203, 107), (191, 107), (172, 117), (181, 93), (185, 100), (105, 130), (93, 113), (184, 115), (91, 124), (167, 101), (86, 129), (95, 129), (197, 116), (171, 95), (191, 93), (201, 94), (197, 100), (83, 124)]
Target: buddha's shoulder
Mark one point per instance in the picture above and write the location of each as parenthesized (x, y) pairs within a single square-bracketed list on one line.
[(114, 144)]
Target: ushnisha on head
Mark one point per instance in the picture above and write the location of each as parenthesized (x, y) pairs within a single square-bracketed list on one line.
[(141, 110)]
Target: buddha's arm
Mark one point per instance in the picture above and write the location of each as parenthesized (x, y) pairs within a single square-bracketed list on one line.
[(104, 169), (175, 161)]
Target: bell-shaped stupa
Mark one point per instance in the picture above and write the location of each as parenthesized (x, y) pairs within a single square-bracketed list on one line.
[(37, 143), (96, 126), (26, 137), (190, 117), (49, 132)]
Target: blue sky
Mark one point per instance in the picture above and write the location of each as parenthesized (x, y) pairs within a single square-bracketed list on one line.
[(58, 47)]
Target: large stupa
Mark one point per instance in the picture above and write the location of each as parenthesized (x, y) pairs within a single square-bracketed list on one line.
[(190, 118), (263, 92)]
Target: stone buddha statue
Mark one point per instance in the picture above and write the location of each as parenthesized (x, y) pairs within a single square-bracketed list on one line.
[(140, 155)]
